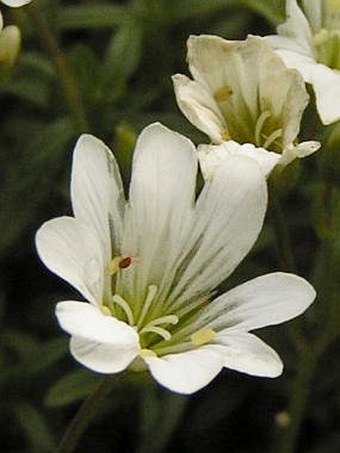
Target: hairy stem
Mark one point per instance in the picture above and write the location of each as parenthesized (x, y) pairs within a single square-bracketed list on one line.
[(68, 81)]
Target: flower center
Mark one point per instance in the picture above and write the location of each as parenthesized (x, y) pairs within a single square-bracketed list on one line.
[(121, 309), (327, 47)]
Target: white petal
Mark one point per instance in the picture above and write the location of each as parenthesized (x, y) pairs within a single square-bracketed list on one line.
[(70, 250), (264, 301), (16, 3), (212, 157), (199, 107), (97, 191), (101, 357), (102, 343), (218, 64), (186, 372), (162, 195), (325, 81), (296, 25), (1, 21), (229, 217), (301, 150), (246, 353), (326, 85), (278, 42), (82, 319), (313, 10)]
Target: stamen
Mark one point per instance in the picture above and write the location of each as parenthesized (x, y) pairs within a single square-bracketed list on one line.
[(152, 291), (203, 336), (272, 138), (259, 126), (119, 262), (159, 330), (225, 136), (117, 299), (169, 319)]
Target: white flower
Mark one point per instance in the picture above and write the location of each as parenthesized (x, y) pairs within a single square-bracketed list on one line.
[(12, 4), (310, 42), (149, 266), (242, 91)]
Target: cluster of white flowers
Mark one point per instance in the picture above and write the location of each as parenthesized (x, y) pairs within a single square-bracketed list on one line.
[(149, 265)]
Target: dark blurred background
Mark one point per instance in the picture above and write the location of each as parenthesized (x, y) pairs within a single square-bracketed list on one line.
[(104, 67)]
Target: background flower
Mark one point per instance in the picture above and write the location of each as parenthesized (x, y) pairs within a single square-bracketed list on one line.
[(309, 41), (243, 92)]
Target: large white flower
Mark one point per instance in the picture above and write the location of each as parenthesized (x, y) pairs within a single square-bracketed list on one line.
[(242, 91), (310, 42), (149, 266), (12, 4)]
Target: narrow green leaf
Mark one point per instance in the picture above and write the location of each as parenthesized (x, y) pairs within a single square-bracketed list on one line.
[(35, 427), (92, 16), (21, 343), (72, 388), (46, 355), (122, 58), (40, 163)]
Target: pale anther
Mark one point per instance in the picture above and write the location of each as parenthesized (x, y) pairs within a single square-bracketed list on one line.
[(223, 94), (203, 336), (147, 353), (225, 136), (105, 310)]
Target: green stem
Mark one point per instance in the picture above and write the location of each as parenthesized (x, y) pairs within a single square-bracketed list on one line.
[(300, 392), (69, 83), (88, 410), (299, 396), (283, 242)]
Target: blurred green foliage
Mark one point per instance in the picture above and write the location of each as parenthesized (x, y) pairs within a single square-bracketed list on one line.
[(104, 67)]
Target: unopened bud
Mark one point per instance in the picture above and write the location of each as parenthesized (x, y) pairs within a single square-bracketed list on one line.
[(10, 42)]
